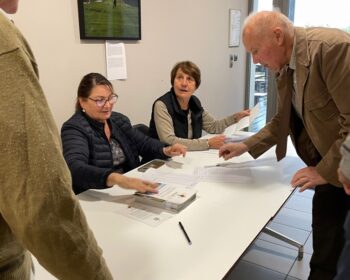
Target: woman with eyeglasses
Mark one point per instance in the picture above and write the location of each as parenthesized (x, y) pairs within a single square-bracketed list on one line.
[(99, 145)]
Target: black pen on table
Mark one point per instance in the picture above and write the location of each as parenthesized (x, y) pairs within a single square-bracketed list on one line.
[(185, 233)]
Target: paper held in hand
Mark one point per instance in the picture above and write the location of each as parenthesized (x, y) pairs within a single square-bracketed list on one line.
[(233, 132), (171, 197)]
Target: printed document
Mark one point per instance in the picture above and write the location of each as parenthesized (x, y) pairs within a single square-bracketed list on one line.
[(155, 175), (115, 61), (223, 174), (232, 130)]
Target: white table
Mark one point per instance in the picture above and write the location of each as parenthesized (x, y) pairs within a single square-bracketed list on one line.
[(222, 222)]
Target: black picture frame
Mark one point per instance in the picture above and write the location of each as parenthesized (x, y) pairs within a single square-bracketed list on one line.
[(110, 19)]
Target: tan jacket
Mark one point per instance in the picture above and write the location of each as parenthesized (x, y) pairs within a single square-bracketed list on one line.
[(323, 78), (38, 210)]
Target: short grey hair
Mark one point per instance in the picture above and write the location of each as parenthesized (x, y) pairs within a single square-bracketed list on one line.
[(260, 22)]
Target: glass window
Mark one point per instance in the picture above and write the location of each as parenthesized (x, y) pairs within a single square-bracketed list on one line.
[(258, 88), (323, 14)]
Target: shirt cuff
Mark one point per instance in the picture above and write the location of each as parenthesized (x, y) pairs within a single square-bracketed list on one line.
[(207, 142)]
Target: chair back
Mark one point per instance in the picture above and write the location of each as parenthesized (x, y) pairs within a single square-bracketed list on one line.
[(142, 127)]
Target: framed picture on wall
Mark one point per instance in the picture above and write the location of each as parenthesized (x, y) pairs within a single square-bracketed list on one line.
[(110, 19)]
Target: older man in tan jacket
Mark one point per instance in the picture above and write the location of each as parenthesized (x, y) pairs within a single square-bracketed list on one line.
[(312, 68), (38, 210)]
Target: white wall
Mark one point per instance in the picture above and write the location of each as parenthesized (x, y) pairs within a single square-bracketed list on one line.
[(172, 31)]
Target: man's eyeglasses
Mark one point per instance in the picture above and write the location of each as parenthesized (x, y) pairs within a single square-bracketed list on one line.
[(102, 102)]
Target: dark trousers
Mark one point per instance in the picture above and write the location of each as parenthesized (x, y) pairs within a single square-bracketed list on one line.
[(343, 269), (329, 208)]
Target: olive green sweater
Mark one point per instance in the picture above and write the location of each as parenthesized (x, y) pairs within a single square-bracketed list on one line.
[(38, 210)]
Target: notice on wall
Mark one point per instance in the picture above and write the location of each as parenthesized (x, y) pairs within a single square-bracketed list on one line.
[(235, 28), (115, 61)]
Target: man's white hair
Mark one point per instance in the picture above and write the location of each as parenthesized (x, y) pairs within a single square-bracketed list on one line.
[(263, 21)]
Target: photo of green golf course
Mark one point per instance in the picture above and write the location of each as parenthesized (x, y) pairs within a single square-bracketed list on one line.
[(110, 19)]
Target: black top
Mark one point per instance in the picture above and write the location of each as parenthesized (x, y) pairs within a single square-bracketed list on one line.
[(179, 116), (87, 150)]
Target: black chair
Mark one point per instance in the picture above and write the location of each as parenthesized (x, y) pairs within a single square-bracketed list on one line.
[(143, 128)]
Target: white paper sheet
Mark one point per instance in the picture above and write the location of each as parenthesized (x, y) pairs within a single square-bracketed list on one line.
[(144, 213), (235, 28), (118, 201), (223, 175), (155, 175), (237, 136), (245, 164), (244, 122), (115, 61)]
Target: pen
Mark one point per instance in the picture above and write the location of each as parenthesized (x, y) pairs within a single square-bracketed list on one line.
[(185, 233), (224, 164)]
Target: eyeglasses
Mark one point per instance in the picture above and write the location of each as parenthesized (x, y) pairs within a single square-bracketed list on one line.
[(102, 102)]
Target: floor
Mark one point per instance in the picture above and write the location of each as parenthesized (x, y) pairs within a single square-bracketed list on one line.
[(270, 259)]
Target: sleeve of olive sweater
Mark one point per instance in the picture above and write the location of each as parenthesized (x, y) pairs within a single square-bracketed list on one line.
[(36, 199)]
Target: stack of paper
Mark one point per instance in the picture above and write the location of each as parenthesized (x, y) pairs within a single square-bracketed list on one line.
[(170, 197)]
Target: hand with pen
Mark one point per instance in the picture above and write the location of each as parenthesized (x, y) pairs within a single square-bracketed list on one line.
[(231, 150)]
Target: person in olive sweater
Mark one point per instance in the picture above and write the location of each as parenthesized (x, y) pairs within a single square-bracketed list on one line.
[(39, 213), (99, 145)]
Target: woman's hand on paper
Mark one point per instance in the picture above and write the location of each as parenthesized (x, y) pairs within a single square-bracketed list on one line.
[(175, 150), (240, 115), (126, 182), (231, 150), (216, 142)]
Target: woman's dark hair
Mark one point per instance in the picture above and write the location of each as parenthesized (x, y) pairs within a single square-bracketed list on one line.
[(87, 83), (188, 68)]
